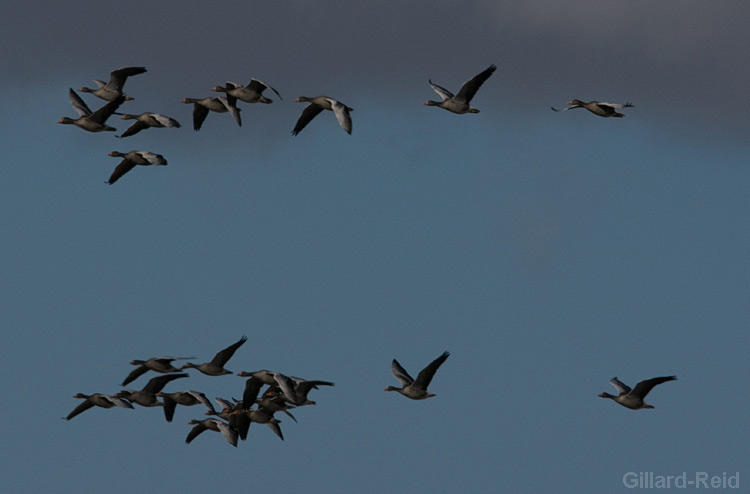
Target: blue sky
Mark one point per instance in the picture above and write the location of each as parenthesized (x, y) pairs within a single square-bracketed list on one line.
[(547, 252)]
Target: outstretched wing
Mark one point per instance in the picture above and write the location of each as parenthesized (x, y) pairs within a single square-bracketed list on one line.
[(223, 356), (470, 87), (441, 91), (425, 375), (403, 377)]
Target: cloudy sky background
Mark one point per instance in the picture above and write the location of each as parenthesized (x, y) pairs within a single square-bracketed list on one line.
[(547, 252)]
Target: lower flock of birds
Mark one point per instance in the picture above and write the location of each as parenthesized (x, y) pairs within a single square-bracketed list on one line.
[(112, 91), (283, 393)]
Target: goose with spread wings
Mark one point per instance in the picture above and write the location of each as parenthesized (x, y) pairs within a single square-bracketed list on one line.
[(111, 90), (317, 105), (131, 159), (219, 104), (88, 120), (633, 398), (459, 103), (599, 108), (250, 93), (416, 389), (216, 366)]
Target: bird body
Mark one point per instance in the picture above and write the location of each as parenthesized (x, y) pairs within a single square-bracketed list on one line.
[(317, 105), (250, 93), (131, 159), (111, 90), (219, 104), (88, 120), (216, 366)]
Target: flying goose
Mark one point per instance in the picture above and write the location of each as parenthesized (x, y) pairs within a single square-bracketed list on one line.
[(99, 400), (88, 120), (146, 120), (633, 398), (132, 158), (162, 365), (240, 420), (599, 108), (317, 105), (185, 398), (112, 90), (460, 102), (201, 107), (229, 433), (416, 389), (251, 93), (216, 366), (146, 397)]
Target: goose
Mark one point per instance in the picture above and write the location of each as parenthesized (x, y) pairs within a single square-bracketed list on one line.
[(416, 389), (317, 105), (460, 102), (240, 420), (216, 366), (99, 400), (132, 158), (146, 397), (265, 376), (251, 93), (599, 108), (185, 398), (227, 407), (633, 398), (146, 120), (112, 90), (162, 365), (219, 104), (88, 120), (229, 433)]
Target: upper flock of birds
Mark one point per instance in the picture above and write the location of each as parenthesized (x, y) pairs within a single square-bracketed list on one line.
[(283, 393), (112, 91)]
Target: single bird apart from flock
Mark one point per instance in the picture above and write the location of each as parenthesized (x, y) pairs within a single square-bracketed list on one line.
[(219, 104), (251, 93), (599, 108), (633, 398), (146, 120), (132, 158), (317, 105), (416, 389), (88, 120), (459, 103), (216, 366), (112, 90), (162, 365)]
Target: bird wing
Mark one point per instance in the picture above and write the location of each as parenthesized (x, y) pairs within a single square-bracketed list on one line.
[(118, 76), (259, 86), (425, 375), (134, 129), (620, 386), (614, 105), (194, 432), (141, 369), (82, 407), (404, 378), (252, 388), (442, 92), (157, 383), (240, 422), (202, 398), (200, 113), (223, 356), (117, 401), (470, 87), (169, 406), (153, 158), (230, 103), (124, 167), (78, 105), (567, 108), (274, 426), (102, 114), (642, 388), (287, 387), (311, 111), (342, 115), (164, 120), (229, 433)]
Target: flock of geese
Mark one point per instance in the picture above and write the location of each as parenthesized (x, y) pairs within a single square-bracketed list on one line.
[(112, 92), (283, 393)]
